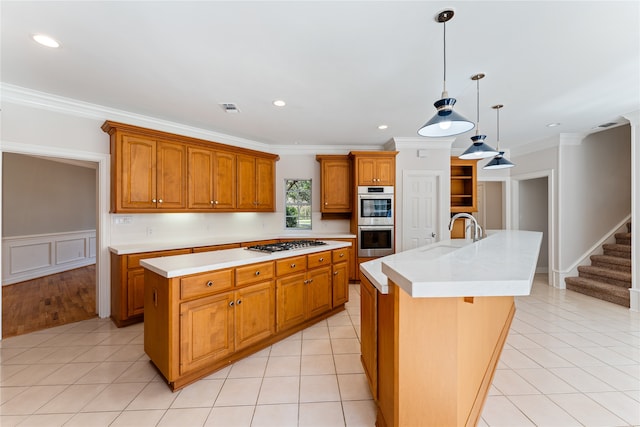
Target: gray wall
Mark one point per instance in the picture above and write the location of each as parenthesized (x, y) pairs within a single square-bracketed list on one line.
[(43, 196), (533, 209)]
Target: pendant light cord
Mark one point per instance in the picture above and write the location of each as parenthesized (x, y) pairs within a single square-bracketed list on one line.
[(478, 107), (498, 132), (444, 55)]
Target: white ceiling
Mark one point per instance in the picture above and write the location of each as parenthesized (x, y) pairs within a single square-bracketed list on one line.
[(342, 67)]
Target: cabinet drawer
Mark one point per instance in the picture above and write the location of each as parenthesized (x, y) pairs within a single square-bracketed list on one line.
[(133, 261), (254, 273), (319, 259), (206, 283), (291, 265), (340, 255)]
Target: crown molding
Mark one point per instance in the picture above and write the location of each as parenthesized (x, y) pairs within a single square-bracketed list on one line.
[(46, 101)]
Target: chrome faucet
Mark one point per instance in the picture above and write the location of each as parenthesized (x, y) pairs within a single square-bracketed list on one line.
[(477, 230)]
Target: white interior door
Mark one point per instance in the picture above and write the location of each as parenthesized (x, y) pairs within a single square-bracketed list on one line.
[(419, 209)]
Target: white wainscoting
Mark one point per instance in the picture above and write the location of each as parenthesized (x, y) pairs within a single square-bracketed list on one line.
[(30, 257)]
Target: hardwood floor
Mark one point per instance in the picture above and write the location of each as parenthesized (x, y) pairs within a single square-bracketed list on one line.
[(49, 301)]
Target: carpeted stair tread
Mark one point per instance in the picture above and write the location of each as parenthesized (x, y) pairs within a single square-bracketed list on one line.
[(611, 262), (612, 277), (623, 238), (615, 249), (606, 292)]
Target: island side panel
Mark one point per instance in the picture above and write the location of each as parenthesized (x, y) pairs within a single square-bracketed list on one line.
[(158, 327), (482, 331), (437, 356)]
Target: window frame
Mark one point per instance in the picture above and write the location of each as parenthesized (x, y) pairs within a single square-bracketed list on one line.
[(299, 205)]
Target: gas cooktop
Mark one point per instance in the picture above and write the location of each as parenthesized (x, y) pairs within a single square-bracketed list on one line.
[(286, 246)]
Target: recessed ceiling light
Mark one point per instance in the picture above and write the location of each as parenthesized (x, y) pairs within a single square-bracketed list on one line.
[(45, 40), (552, 125), (383, 127), (279, 103)]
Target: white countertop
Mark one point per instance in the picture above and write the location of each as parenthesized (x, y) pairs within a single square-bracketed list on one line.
[(134, 248), (182, 265), (501, 264)]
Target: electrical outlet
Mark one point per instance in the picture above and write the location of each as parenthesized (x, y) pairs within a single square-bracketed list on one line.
[(149, 231)]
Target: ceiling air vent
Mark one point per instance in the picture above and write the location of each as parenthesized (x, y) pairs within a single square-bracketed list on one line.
[(606, 125), (230, 108)]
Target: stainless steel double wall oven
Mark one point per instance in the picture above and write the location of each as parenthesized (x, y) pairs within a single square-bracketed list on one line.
[(375, 221)]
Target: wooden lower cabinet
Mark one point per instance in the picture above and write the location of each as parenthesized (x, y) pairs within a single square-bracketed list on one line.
[(206, 331), (214, 327), (302, 296), (369, 332), (197, 324), (127, 285), (340, 283)]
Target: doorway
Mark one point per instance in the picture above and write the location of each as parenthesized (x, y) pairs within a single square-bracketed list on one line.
[(533, 210), (49, 242), (102, 210)]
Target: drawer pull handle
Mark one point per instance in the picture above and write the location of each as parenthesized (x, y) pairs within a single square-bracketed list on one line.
[(258, 273), (230, 303), (321, 259), (293, 266), (209, 284)]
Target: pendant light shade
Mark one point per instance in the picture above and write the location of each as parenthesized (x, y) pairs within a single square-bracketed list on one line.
[(499, 161), (446, 122), (479, 149)]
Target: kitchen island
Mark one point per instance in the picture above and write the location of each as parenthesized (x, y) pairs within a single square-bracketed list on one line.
[(206, 310), (434, 321)]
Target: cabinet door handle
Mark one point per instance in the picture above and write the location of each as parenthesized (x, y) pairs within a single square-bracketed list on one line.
[(211, 202), (153, 200), (306, 281), (258, 273), (230, 303), (216, 202), (310, 280), (159, 200), (335, 273), (155, 297), (209, 284), (239, 302)]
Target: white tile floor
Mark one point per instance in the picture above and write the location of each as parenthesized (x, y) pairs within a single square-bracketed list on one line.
[(569, 360)]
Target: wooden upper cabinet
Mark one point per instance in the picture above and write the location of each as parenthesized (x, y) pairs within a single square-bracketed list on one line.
[(136, 165), (224, 180), (211, 179), (255, 183), (335, 184), (171, 176), (153, 171), (265, 184), (376, 170), (152, 174)]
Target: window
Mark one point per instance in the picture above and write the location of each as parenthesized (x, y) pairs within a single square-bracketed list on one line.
[(297, 203)]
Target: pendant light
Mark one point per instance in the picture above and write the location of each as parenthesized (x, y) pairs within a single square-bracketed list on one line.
[(446, 122), (498, 162), (479, 149)]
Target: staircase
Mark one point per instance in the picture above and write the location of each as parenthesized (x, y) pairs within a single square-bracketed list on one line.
[(609, 276)]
